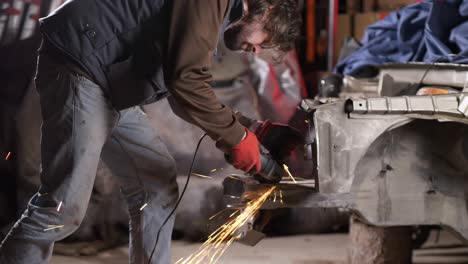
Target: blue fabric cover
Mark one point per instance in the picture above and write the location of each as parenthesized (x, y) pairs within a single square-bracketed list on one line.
[(430, 31)]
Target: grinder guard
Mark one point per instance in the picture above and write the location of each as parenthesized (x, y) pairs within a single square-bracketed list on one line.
[(272, 172)]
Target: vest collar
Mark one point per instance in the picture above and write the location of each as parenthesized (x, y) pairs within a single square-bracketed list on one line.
[(236, 11)]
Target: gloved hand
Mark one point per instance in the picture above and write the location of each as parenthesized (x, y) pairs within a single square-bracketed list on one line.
[(279, 139), (246, 155)]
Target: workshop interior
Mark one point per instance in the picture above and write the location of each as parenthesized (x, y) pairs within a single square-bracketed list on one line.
[(357, 135)]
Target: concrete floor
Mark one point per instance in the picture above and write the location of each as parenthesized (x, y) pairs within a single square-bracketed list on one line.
[(306, 249)]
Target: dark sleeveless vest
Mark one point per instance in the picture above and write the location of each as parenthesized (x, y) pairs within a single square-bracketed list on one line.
[(119, 43)]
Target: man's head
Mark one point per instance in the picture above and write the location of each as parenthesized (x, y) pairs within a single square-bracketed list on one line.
[(269, 28)]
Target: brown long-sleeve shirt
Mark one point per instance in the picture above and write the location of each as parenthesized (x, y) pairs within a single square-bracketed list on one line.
[(193, 37), (192, 28)]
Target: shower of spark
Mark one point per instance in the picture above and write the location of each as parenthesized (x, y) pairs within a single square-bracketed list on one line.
[(202, 176), (143, 207), (289, 173), (59, 206), (281, 196), (233, 214), (52, 227), (217, 214), (220, 240)]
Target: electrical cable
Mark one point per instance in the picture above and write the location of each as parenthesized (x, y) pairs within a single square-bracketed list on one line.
[(180, 198), (434, 63), (195, 155)]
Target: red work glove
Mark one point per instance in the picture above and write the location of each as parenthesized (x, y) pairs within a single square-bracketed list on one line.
[(279, 139), (246, 155)]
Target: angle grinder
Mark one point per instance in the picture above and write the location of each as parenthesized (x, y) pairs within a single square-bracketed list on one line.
[(271, 172)]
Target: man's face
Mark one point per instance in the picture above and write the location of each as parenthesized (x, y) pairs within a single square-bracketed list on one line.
[(248, 37)]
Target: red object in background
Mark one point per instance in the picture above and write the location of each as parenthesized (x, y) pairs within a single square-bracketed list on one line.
[(276, 86), (310, 28), (292, 62), (35, 17), (382, 15), (10, 30), (281, 88), (11, 11)]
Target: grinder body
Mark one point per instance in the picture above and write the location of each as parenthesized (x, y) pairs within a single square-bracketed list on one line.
[(277, 143), (271, 172)]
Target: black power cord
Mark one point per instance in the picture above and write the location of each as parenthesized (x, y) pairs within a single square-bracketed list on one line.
[(435, 62), (180, 198)]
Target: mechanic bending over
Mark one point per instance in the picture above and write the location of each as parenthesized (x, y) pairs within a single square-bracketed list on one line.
[(99, 61)]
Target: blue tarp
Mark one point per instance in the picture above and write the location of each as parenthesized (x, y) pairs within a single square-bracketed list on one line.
[(430, 31)]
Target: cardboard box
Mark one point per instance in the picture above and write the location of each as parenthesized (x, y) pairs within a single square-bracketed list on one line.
[(343, 31), (362, 21), (353, 6), (393, 5), (369, 6)]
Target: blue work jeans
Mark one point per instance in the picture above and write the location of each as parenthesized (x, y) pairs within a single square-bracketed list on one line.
[(80, 126)]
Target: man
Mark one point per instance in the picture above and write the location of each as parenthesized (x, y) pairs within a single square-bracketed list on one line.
[(98, 62)]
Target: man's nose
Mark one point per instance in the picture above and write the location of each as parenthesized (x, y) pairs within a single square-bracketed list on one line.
[(256, 49)]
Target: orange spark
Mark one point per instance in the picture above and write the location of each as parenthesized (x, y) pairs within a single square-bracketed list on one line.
[(202, 176), (289, 173), (219, 241)]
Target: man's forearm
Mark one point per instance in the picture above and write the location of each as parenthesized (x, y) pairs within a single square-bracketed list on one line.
[(193, 36)]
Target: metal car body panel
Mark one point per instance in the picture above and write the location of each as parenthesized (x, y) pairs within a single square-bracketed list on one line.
[(393, 160)]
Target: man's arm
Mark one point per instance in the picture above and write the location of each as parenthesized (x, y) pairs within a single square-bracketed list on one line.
[(192, 39)]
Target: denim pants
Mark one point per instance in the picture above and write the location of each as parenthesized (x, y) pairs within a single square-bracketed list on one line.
[(79, 127)]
